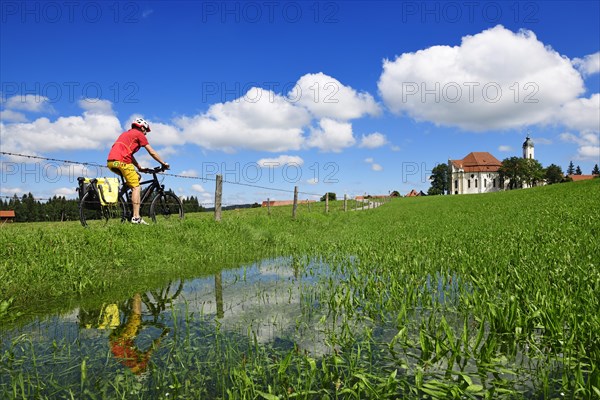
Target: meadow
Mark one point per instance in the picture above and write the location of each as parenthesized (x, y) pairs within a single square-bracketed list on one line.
[(479, 296)]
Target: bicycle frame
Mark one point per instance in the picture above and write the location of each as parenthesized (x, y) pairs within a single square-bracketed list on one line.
[(146, 194)]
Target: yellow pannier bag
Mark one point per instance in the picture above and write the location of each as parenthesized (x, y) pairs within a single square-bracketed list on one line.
[(108, 189)]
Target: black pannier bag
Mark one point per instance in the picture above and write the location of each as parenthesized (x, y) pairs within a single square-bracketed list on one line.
[(86, 185)]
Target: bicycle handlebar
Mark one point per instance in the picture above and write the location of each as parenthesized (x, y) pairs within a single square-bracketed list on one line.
[(154, 170)]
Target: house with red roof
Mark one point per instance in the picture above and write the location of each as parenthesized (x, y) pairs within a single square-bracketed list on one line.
[(577, 178), (7, 216)]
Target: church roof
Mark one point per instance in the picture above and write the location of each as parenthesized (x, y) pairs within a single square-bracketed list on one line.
[(478, 161)]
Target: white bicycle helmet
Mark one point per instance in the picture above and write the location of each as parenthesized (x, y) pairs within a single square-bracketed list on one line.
[(139, 122)]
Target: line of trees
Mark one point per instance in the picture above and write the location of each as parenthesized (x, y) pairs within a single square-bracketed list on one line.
[(517, 170), (58, 208)]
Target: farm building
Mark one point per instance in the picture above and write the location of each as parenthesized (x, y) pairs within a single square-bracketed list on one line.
[(577, 178), (7, 216), (414, 193), (277, 203)]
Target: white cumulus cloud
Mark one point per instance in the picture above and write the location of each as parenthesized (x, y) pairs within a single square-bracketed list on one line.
[(67, 192), (505, 148), (198, 188), (588, 65), (331, 135), (260, 120), (496, 79), (96, 106), (280, 161), (326, 97), (373, 140), (28, 102), (581, 114), (89, 131), (12, 116), (189, 172), (588, 142)]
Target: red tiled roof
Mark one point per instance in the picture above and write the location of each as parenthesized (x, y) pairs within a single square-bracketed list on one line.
[(7, 214), (276, 203), (413, 193), (478, 161), (372, 196), (581, 177)]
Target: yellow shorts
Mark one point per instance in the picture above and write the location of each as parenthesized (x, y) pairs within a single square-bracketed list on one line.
[(127, 171)]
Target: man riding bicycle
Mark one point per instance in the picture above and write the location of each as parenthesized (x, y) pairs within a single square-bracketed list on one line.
[(122, 162)]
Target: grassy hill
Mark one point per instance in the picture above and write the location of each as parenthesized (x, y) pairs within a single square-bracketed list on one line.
[(493, 295)]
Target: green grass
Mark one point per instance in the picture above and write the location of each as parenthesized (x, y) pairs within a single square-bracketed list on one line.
[(471, 285)]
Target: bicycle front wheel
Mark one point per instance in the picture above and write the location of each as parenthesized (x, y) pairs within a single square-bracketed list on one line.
[(166, 205)]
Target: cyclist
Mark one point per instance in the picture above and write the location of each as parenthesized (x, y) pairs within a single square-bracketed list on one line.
[(122, 162)]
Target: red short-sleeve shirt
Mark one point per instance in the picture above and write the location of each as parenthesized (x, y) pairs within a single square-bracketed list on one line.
[(127, 145)]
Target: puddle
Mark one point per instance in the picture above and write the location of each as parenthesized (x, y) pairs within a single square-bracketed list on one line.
[(205, 326)]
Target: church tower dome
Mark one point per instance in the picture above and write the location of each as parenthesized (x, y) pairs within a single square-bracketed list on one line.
[(528, 148)]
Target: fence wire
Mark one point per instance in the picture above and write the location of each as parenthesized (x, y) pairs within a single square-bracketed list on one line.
[(199, 178)]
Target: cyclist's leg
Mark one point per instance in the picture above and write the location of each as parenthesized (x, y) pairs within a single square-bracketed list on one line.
[(132, 180)]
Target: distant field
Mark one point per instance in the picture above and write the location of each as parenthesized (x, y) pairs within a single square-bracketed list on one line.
[(478, 280)]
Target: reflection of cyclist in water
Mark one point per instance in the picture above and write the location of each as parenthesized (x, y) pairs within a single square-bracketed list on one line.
[(122, 339)]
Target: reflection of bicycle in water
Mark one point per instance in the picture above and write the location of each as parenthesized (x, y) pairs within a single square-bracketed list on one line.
[(122, 339)]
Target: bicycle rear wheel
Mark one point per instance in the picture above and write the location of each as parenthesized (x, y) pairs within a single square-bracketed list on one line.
[(166, 205), (92, 213)]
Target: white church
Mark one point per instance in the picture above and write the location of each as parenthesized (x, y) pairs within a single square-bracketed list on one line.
[(478, 171)]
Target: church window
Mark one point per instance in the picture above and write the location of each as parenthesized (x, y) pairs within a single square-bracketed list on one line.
[(468, 183), (485, 183), (475, 182), (456, 184), (494, 183)]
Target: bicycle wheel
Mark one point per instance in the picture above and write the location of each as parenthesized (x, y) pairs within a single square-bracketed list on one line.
[(166, 205), (92, 213)]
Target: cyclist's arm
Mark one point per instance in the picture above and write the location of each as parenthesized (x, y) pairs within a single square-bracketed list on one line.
[(135, 163), (154, 154)]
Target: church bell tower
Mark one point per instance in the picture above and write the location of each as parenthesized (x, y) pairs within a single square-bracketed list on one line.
[(528, 148)]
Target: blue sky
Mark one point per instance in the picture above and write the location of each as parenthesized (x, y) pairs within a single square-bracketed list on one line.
[(352, 97)]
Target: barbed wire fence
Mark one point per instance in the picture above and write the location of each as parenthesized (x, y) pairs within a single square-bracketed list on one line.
[(301, 199)]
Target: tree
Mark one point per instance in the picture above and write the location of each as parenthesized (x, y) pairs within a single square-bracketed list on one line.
[(395, 193), (520, 171), (596, 170), (534, 172), (439, 180), (553, 174), (512, 169), (571, 169), (332, 196), (578, 171)]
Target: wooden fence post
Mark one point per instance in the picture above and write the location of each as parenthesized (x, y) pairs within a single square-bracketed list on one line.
[(326, 202), (218, 195), (345, 202), (295, 206)]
